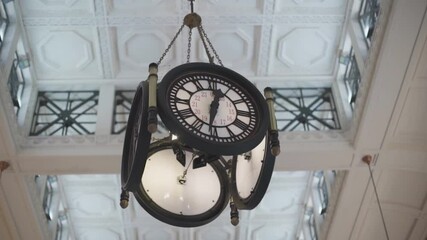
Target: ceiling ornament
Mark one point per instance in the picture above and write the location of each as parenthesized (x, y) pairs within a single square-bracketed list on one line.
[(222, 146)]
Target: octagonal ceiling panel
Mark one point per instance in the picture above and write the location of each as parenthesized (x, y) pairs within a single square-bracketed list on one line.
[(143, 8), (155, 233), (57, 8), (215, 233), (65, 54), (235, 47), (230, 6), (323, 7), (137, 48), (271, 231), (103, 233), (304, 51)]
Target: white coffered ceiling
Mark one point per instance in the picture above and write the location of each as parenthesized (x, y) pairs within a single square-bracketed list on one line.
[(82, 44), (93, 40)]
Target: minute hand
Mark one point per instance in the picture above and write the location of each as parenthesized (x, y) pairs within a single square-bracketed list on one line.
[(214, 106)]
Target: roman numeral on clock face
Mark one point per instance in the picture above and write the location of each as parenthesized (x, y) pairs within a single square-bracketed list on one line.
[(238, 101), (243, 113), (197, 124), (186, 113), (198, 85), (213, 85), (214, 131), (183, 101), (240, 124)]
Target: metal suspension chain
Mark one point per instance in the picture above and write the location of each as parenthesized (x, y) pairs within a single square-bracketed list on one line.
[(211, 46), (205, 46), (189, 45), (170, 45)]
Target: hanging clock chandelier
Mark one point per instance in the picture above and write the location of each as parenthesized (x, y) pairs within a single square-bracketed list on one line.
[(222, 145)]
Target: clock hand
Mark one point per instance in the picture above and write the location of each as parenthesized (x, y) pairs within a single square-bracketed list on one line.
[(213, 111), (214, 106)]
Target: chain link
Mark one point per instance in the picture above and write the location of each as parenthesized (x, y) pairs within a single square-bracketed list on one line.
[(170, 45), (189, 45), (210, 45), (205, 46)]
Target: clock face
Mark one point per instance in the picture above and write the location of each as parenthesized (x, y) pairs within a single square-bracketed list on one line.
[(205, 104), (178, 194), (137, 140), (250, 175)]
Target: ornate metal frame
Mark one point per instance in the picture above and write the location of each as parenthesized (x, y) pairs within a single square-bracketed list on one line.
[(65, 113), (368, 16), (16, 84), (305, 109), (352, 78)]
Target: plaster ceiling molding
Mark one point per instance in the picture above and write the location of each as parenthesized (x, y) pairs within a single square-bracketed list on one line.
[(139, 48), (282, 198), (310, 136), (89, 179), (138, 214), (65, 54), (92, 205), (49, 141), (405, 188), (230, 6), (410, 127), (96, 233), (304, 48), (311, 7), (270, 231), (399, 224), (66, 50), (235, 48), (55, 8), (157, 233), (263, 53), (294, 177), (215, 233), (142, 8)]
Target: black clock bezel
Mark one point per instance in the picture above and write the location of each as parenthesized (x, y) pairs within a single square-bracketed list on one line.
[(133, 162), (185, 220), (190, 137), (262, 183)]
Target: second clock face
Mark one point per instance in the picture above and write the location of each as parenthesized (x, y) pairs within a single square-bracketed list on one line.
[(214, 107)]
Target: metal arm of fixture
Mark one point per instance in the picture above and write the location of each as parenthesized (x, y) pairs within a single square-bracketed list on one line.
[(152, 97), (274, 133), (179, 153), (124, 199), (234, 213)]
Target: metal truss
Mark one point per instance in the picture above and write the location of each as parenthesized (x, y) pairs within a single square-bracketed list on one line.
[(123, 101), (352, 78), (305, 109), (122, 104), (368, 15), (65, 113)]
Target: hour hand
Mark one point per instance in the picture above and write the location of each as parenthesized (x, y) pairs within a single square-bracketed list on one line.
[(214, 106), (213, 111)]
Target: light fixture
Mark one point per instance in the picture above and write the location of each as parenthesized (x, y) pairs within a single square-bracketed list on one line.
[(221, 149)]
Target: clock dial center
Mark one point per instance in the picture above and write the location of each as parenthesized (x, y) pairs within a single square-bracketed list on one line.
[(201, 103)]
